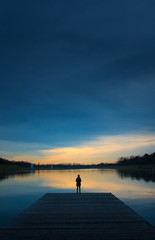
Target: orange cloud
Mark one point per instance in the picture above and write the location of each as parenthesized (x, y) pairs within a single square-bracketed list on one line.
[(102, 149), (107, 148)]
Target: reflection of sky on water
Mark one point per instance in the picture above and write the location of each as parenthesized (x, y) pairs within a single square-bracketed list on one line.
[(19, 191)]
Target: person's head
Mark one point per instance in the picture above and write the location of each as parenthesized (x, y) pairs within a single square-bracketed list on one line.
[(78, 175)]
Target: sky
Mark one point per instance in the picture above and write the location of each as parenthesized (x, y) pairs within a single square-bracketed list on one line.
[(77, 80)]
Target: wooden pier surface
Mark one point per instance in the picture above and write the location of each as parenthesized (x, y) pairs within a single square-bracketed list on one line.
[(78, 216)]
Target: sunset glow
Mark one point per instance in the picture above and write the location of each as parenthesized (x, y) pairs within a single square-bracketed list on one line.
[(101, 149)]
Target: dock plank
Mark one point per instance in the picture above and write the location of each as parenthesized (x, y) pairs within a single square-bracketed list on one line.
[(78, 216)]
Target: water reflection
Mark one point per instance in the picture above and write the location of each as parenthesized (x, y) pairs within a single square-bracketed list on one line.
[(7, 175), (122, 173), (122, 183), (135, 174), (25, 187)]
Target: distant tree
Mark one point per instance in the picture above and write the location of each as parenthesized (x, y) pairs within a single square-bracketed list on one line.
[(135, 160)]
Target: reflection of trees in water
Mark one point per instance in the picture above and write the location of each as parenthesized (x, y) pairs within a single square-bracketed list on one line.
[(4, 176), (136, 174)]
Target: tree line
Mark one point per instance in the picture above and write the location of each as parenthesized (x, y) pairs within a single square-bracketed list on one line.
[(132, 160), (4, 161), (137, 160)]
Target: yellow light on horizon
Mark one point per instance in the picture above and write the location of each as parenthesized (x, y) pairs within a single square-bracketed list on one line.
[(102, 149)]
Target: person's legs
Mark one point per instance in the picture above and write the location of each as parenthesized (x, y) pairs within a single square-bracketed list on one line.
[(78, 189)]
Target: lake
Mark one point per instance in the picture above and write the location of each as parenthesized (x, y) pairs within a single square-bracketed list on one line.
[(19, 190)]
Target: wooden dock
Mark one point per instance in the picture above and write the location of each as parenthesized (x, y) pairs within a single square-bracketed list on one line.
[(92, 216)]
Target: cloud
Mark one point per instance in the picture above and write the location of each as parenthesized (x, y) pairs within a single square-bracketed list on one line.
[(104, 148), (70, 71)]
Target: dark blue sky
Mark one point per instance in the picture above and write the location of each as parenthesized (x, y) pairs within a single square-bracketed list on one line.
[(73, 71)]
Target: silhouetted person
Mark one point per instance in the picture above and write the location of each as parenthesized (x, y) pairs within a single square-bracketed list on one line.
[(78, 184)]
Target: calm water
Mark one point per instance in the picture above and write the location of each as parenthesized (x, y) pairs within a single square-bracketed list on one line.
[(18, 191)]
